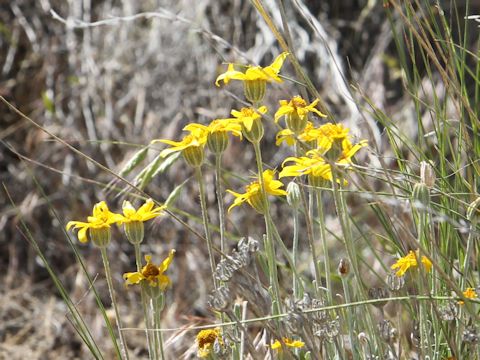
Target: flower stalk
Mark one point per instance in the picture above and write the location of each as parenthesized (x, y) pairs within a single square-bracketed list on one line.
[(208, 237), (108, 275)]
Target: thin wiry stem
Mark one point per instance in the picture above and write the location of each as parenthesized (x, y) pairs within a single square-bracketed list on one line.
[(269, 248), (138, 260), (108, 275), (221, 208), (206, 223)]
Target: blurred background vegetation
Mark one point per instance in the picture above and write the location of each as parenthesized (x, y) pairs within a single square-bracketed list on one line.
[(108, 81)]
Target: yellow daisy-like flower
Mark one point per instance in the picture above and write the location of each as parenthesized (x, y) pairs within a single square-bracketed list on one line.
[(253, 73), (151, 273), (469, 293), (246, 116), (205, 341), (220, 125), (191, 146), (288, 136), (101, 219), (297, 106), (410, 261), (253, 194), (196, 138), (329, 133), (315, 166), (277, 345), (218, 130), (144, 213)]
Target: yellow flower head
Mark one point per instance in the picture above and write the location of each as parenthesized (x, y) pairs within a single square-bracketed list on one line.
[(246, 116), (252, 73), (286, 135), (329, 133), (101, 218), (313, 165), (409, 261), (297, 106), (219, 125), (196, 139), (253, 194), (205, 341), (277, 345), (144, 213), (469, 293), (151, 273)]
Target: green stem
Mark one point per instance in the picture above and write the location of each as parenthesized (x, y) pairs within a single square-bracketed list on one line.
[(342, 212), (323, 237), (108, 275), (157, 311), (221, 208), (269, 248), (311, 240), (348, 299), (203, 204), (138, 260), (295, 284)]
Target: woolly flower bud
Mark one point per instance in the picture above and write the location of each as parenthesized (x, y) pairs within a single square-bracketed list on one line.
[(293, 195), (427, 174)]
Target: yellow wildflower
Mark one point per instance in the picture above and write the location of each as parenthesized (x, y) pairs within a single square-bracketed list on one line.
[(217, 131), (253, 73), (247, 116), (191, 146), (469, 293), (144, 212), (253, 194), (286, 135), (134, 219), (220, 125), (296, 111), (315, 166), (197, 138), (277, 345), (151, 273), (205, 341), (408, 261), (101, 219)]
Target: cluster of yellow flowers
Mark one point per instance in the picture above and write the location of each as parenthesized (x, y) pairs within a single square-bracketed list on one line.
[(329, 144), (97, 228)]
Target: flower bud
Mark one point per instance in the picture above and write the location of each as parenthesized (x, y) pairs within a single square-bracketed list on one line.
[(343, 267), (217, 142), (294, 197), (255, 134), (255, 90), (100, 236), (193, 155), (135, 230), (427, 174)]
